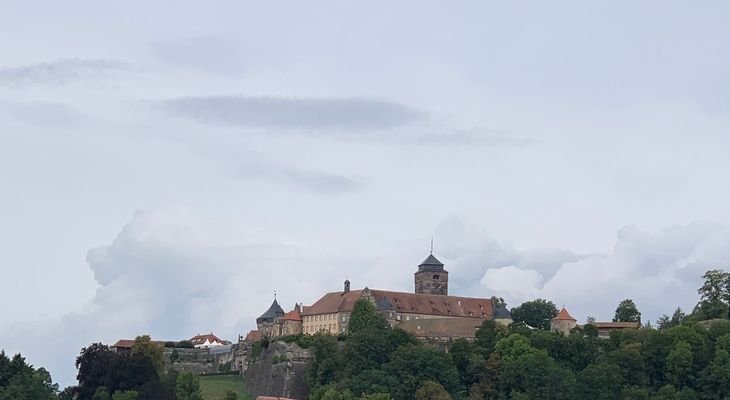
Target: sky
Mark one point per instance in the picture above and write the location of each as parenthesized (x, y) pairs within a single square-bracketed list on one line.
[(166, 166)]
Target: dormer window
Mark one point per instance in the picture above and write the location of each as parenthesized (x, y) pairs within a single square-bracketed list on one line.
[(435, 277)]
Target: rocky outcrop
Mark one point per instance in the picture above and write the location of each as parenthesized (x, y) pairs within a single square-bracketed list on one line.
[(278, 371)]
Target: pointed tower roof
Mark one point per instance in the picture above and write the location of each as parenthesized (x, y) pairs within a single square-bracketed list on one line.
[(431, 263), (563, 315), (275, 311)]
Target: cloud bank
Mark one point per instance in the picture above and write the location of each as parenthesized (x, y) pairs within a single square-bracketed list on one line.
[(357, 114), (172, 275), (60, 72)]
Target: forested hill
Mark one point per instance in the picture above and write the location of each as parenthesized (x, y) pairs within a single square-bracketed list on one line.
[(684, 357)]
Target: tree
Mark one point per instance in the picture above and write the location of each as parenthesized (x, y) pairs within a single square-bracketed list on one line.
[(431, 390), (365, 316), (714, 295), (101, 393), (125, 395), (536, 313), (715, 379), (326, 364), (230, 395), (488, 334), (69, 393), (600, 381), (96, 367), (144, 345), (627, 312), (679, 364), (20, 381), (528, 371), (413, 365), (188, 387)]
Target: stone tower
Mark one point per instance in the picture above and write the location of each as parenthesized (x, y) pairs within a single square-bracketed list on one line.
[(431, 277), (563, 322)]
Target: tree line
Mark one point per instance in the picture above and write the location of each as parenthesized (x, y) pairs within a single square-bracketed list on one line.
[(104, 374), (683, 357)]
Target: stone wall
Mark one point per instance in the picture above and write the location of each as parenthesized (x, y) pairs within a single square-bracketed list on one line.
[(278, 371), (199, 361)]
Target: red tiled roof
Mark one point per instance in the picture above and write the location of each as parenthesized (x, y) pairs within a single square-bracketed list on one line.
[(124, 343), (411, 303), (210, 338), (292, 315), (253, 336), (563, 315)]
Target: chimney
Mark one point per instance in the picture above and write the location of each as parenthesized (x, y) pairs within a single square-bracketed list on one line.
[(347, 285)]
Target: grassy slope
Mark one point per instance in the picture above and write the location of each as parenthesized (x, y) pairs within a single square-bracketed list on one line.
[(214, 387)]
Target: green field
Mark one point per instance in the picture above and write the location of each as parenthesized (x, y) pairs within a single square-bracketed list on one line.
[(215, 387)]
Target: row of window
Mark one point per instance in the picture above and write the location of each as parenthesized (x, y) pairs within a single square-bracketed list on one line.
[(323, 317)]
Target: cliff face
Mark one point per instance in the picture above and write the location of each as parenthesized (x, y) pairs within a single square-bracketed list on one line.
[(278, 371)]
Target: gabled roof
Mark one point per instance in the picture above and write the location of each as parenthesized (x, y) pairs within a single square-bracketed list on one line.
[(275, 311), (210, 338), (124, 343), (253, 336), (563, 315), (292, 315), (410, 303)]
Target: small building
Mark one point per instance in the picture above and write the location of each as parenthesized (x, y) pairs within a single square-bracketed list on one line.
[(123, 346), (206, 341), (291, 322), (605, 328), (501, 314), (252, 336), (563, 322)]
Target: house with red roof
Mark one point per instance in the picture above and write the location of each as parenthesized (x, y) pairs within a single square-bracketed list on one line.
[(207, 340)]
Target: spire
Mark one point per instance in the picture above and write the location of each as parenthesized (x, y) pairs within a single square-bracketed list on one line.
[(431, 244)]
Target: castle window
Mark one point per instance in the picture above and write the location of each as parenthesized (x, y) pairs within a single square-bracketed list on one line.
[(435, 277)]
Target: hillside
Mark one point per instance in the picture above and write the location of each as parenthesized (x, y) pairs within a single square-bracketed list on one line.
[(214, 387)]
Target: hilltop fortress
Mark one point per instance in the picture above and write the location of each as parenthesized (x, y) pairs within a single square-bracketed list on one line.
[(429, 312)]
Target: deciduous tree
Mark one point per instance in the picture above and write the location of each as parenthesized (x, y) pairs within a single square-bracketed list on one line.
[(627, 312), (536, 313)]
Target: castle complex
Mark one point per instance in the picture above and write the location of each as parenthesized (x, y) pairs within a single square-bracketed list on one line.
[(429, 312)]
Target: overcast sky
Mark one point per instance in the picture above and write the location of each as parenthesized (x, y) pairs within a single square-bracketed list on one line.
[(165, 166)]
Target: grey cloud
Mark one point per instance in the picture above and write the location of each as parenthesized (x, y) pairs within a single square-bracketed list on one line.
[(476, 137), (315, 181), (59, 71), (345, 114)]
